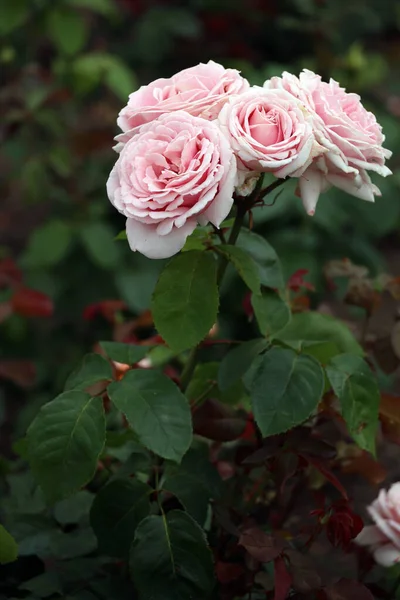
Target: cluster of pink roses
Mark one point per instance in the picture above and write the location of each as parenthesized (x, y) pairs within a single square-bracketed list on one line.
[(189, 141)]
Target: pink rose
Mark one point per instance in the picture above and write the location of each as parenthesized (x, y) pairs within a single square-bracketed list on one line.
[(384, 536), (200, 91), (350, 135), (269, 131), (177, 171)]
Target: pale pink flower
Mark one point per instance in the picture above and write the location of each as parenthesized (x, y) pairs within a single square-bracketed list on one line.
[(384, 537), (269, 131), (200, 90), (177, 171), (350, 135)]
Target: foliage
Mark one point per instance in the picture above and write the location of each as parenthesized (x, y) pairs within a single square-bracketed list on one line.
[(185, 454)]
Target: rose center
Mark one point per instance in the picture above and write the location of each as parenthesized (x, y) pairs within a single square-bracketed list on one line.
[(265, 126)]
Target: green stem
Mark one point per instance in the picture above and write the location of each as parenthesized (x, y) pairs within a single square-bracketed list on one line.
[(243, 206)]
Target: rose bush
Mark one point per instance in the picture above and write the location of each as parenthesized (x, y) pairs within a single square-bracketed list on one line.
[(350, 135), (384, 537), (177, 171)]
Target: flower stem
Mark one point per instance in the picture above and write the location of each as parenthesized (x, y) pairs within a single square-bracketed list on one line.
[(243, 206)]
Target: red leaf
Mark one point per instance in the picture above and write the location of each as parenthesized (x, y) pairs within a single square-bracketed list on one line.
[(215, 421), (347, 589), (105, 308), (326, 473), (227, 572), (31, 303), (5, 311), (9, 273), (283, 579), (20, 372), (296, 281), (260, 545)]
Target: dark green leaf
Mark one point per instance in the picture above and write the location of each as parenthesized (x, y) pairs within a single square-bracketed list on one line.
[(356, 387), (244, 264), (67, 29), (79, 542), (170, 559), (8, 547), (48, 245), (74, 509), (65, 441), (43, 585), (94, 368), (185, 301), (285, 390), (271, 312), (157, 411), (264, 255), (98, 239), (235, 364), (316, 327), (13, 14), (205, 383), (127, 354), (191, 493), (103, 7), (117, 510)]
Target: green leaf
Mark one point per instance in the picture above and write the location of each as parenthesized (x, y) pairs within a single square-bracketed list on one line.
[(94, 368), (43, 585), (8, 547), (235, 364), (185, 300), (65, 441), (67, 30), (74, 509), (269, 267), (117, 510), (244, 264), (103, 7), (13, 14), (157, 411), (285, 390), (271, 312), (170, 559), (191, 493), (127, 354), (315, 327), (98, 239), (356, 387), (205, 381), (120, 79), (48, 245)]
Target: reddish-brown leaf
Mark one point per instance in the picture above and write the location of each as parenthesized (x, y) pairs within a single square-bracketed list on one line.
[(9, 273), (365, 465), (283, 579), (347, 589), (5, 311), (227, 572), (216, 421), (304, 572), (260, 545), (20, 372), (31, 303), (389, 412), (326, 473)]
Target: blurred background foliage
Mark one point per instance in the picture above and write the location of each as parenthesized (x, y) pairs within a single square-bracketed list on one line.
[(68, 67)]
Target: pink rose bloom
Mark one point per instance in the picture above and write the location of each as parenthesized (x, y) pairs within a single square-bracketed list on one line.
[(200, 91), (269, 131), (384, 536), (350, 135), (177, 171)]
